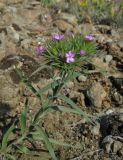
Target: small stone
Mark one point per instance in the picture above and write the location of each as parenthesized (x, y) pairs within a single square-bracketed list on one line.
[(63, 25), (120, 44), (96, 94), (82, 78), (87, 28), (117, 97), (105, 29), (96, 129), (109, 111), (25, 43), (115, 34), (2, 5), (121, 151), (68, 17), (100, 64), (74, 94), (108, 58), (107, 142), (76, 30), (81, 100), (117, 145), (100, 38), (76, 158), (69, 84), (13, 34), (108, 148)]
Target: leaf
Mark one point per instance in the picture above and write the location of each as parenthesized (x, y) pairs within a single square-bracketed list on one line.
[(45, 88), (23, 117), (10, 157), (37, 117), (71, 76), (39, 69), (6, 137), (47, 142), (73, 105), (37, 136), (24, 80), (54, 108), (22, 148), (49, 109)]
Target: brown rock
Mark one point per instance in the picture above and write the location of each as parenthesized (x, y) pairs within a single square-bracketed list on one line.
[(117, 145), (69, 84), (99, 64), (87, 28), (12, 34), (8, 91), (2, 5), (67, 17), (121, 151), (76, 30), (96, 94), (63, 25), (120, 44), (104, 29)]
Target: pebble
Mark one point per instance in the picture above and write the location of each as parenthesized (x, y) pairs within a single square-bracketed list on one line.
[(108, 58), (105, 29), (70, 18), (96, 129), (120, 44), (121, 151), (108, 147), (117, 145), (13, 34), (118, 98), (74, 94), (82, 78), (109, 111), (69, 84), (63, 25), (2, 5), (96, 94), (25, 43)]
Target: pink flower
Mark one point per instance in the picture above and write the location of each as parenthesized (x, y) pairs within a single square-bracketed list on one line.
[(40, 50), (89, 37), (82, 52), (58, 36), (70, 57)]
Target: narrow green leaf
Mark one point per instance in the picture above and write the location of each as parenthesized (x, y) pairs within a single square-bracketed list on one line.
[(49, 109), (10, 157), (39, 69), (47, 142), (6, 137), (37, 116), (22, 148), (23, 117), (71, 76), (24, 80), (37, 136), (73, 105), (45, 88)]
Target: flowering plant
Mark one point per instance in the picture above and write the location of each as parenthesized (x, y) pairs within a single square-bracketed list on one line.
[(67, 53), (58, 36)]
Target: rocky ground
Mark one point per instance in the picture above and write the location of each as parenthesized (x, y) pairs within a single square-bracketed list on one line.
[(100, 92)]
